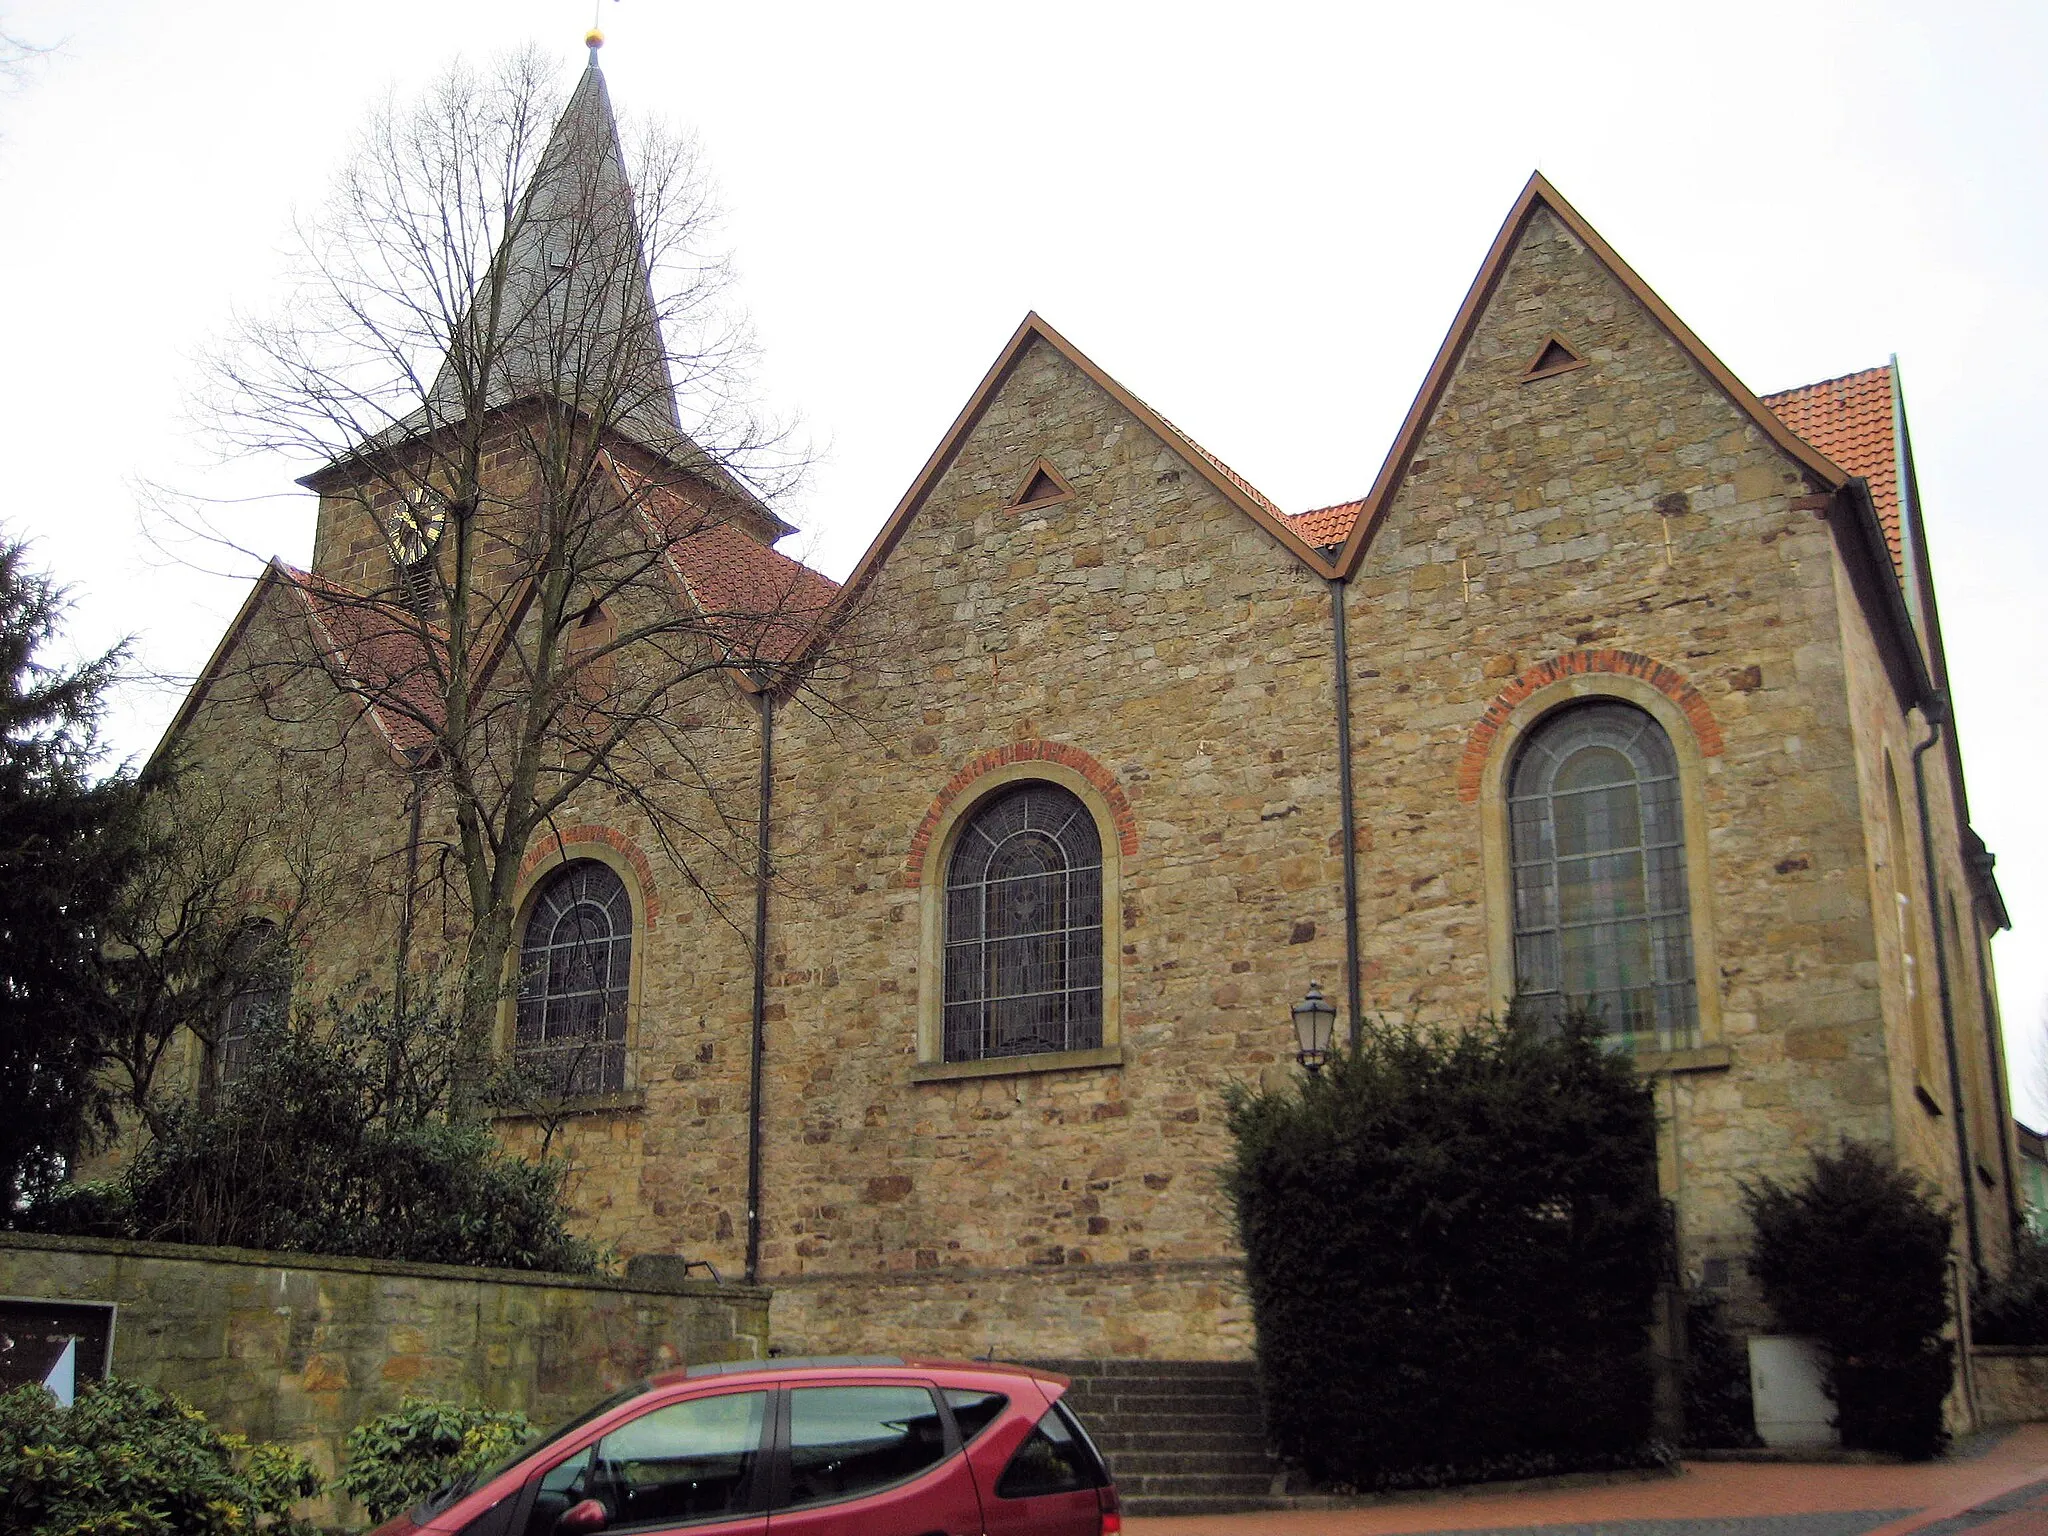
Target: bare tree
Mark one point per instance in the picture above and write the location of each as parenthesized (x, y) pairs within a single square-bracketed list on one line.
[(529, 575), (182, 946)]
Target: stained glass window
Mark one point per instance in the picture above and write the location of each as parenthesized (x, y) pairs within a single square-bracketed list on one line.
[(1603, 919), (574, 964), (1024, 928), (265, 994)]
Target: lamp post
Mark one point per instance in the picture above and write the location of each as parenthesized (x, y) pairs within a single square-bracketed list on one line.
[(1314, 1020)]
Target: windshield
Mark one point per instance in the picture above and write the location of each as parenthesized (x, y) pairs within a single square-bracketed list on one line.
[(461, 1487)]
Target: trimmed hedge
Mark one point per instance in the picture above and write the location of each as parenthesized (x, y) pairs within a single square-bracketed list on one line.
[(1453, 1244), (1856, 1255)]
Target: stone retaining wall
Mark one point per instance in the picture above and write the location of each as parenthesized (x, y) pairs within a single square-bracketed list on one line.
[(300, 1348), (1193, 1309), (2012, 1383)]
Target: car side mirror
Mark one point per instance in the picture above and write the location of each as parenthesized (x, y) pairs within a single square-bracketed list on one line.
[(581, 1519)]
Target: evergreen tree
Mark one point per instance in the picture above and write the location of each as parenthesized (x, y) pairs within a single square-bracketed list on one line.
[(65, 845)]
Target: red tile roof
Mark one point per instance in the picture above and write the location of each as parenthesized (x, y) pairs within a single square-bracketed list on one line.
[(383, 650), (761, 604), (1326, 527), (1850, 420)]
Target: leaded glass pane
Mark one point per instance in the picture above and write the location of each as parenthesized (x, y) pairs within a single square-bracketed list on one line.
[(1023, 942), (1601, 908), (265, 995), (574, 965)]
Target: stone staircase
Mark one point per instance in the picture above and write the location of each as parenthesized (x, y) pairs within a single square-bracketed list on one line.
[(1182, 1437)]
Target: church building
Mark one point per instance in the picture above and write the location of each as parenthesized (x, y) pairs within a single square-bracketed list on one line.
[(1617, 686)]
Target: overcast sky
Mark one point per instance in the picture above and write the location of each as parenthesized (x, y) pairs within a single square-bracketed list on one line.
[(1260, 218)]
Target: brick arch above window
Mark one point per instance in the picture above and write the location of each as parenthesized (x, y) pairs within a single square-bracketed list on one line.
[(564, 844), (1666, 680), (995, 759)]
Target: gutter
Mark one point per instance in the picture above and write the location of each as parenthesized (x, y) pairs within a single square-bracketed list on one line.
[(761, 868), (1936, 713), (1353, 983)]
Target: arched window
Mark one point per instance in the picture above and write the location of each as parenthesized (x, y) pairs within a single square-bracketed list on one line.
[(574, 961), (1602, 916), (1024, 928), (263, 991)]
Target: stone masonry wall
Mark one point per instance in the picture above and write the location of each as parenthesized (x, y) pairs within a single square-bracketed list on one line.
[(1620, 519), (1150, 627), (1923, 1103), (300, 1349), (1553, 498)]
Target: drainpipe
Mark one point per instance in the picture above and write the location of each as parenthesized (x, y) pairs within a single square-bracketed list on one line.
[(760, 991), (403, 962), (1936, 712), (1353, 984)]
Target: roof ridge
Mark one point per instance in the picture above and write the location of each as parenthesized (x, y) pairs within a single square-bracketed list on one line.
[(1840, 378), (1335, 506), (1215, 463)]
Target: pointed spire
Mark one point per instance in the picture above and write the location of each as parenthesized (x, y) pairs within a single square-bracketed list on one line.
[(568, 310), (566, 307)]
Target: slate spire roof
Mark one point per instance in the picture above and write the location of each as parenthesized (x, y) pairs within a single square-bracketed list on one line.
[(566, 310), (566, 307)]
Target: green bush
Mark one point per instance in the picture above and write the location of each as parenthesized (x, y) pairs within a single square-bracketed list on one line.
[(1453, 1242), (2013, 1309), (398, 1458), (1719, 1414), (127, 1460), (1856, 1255), (337, 1136)]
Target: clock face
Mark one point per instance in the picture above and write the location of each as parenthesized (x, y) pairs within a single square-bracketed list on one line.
[(414, 528)]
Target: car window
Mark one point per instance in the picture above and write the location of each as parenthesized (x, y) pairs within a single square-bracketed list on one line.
[(974, 1411), (461, 1487), (692, 1460), (847, 1440), (1056, 1458), (560, 1486), (689, 1461)]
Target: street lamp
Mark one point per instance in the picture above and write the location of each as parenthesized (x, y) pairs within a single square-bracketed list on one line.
[(1314, 1021)]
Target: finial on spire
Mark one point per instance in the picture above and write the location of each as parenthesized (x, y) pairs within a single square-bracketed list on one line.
[(594, 39)]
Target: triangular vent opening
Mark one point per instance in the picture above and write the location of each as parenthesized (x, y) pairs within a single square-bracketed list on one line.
[(1042, 484), (1555, 357)]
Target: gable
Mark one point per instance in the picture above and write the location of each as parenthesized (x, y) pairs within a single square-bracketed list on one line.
[(291, 628), (1233, 488), (1539, 200)]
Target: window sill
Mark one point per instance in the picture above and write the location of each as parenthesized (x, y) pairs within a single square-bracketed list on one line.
[(1701, 1058), (627, 1101), (1016, 1066)]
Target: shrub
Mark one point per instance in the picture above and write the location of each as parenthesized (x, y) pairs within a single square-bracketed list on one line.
[(127, 1460), (2013, 1309), (336, 1137), (1718, 1412), (1453, 1243), (1856, 1255), (398, 1458)]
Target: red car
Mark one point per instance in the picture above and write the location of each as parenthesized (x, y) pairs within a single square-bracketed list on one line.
[(830, 1446)]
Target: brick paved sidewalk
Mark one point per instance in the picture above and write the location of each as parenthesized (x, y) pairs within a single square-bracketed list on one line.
[(1989, 1494)]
